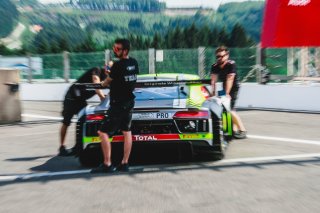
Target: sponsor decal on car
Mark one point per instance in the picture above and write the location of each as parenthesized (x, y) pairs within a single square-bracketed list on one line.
[(152, 115), (144, 138), (206, 136), (155, 137)]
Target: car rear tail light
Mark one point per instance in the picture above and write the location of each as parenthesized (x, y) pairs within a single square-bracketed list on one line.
[(191, 114), (95, 117), (205, 92)]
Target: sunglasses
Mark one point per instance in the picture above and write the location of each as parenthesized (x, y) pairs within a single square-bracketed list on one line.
[(220, 56), (117, 48)]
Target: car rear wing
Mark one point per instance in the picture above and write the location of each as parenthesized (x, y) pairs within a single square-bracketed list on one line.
[(145, 84)]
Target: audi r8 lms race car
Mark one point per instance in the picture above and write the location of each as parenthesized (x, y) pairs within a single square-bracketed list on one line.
[(174, 111)]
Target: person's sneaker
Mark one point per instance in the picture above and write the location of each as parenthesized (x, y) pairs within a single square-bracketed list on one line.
[(64, 152), (123, 167), (240, 134), (75, 151), (104, 169)]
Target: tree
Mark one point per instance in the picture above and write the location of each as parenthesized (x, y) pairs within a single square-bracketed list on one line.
[(44, 46), (223, 37), (4, 50), (203, 36), (88, 45), (136, 24), (214, 38), (8, 17), (30, 3), (147, 43), (190, 34), (157, 41), (238, 36), (177, 38), (64, 44), (139, 42)]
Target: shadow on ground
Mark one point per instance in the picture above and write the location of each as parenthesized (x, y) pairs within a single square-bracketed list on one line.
[(168, 168)]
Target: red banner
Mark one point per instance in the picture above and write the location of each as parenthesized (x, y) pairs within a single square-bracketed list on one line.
[(291, 23)]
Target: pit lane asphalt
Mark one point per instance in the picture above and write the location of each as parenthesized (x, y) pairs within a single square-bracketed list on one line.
[(276, 169)]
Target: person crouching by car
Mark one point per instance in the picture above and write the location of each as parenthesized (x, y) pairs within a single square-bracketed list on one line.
[(74, 101), (121, 80)]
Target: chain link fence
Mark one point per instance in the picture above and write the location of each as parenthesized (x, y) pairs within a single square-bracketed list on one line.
[(66, 66)]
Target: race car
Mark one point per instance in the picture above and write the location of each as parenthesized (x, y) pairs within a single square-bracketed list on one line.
[(173, 111)]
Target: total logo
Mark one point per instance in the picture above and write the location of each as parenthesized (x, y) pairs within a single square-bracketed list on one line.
[(145, 138), (299, 2)]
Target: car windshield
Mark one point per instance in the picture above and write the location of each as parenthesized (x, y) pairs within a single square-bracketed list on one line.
[(160, 93)]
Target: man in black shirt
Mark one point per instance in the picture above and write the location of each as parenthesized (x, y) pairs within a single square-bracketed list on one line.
[(225, 70), (121, 80), (75, 100)]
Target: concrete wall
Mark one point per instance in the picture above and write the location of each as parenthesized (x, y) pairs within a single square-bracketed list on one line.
[(271, 96), (280, 96), (43, 91)]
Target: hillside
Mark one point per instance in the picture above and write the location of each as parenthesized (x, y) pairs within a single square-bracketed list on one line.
[(85, 25), (9, 17)]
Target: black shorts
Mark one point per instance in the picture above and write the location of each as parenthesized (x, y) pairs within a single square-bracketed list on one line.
[(234, 97), (119, 117), (71, 107)]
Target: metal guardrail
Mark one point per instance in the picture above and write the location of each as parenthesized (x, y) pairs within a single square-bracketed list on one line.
[(282, 63)]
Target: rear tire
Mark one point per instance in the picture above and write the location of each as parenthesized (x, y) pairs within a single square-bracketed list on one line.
[(79, 136), (228, 132), (91, 157), (220, 143)]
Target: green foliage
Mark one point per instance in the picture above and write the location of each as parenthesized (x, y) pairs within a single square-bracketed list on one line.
[(122, 5), (59, 33), (30, 3), (190, 35), (136, 25), (157, 42), (223, 37), (8, 17), (4, 50), (193, 37), (238, 37), (249, 14), (91, 30), (88, 45)]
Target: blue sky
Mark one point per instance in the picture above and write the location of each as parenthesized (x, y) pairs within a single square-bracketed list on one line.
[(177, 3)]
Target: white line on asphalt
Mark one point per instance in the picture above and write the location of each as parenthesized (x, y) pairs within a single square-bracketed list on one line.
[(41, 116), (290, 140), (39, 175), (46, 117), (33, 134), (270, 158), (6, 178)]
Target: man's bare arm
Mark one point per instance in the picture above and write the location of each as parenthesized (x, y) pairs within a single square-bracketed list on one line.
[(214, 78), (96, 79), (229, 83), (106, 82)]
